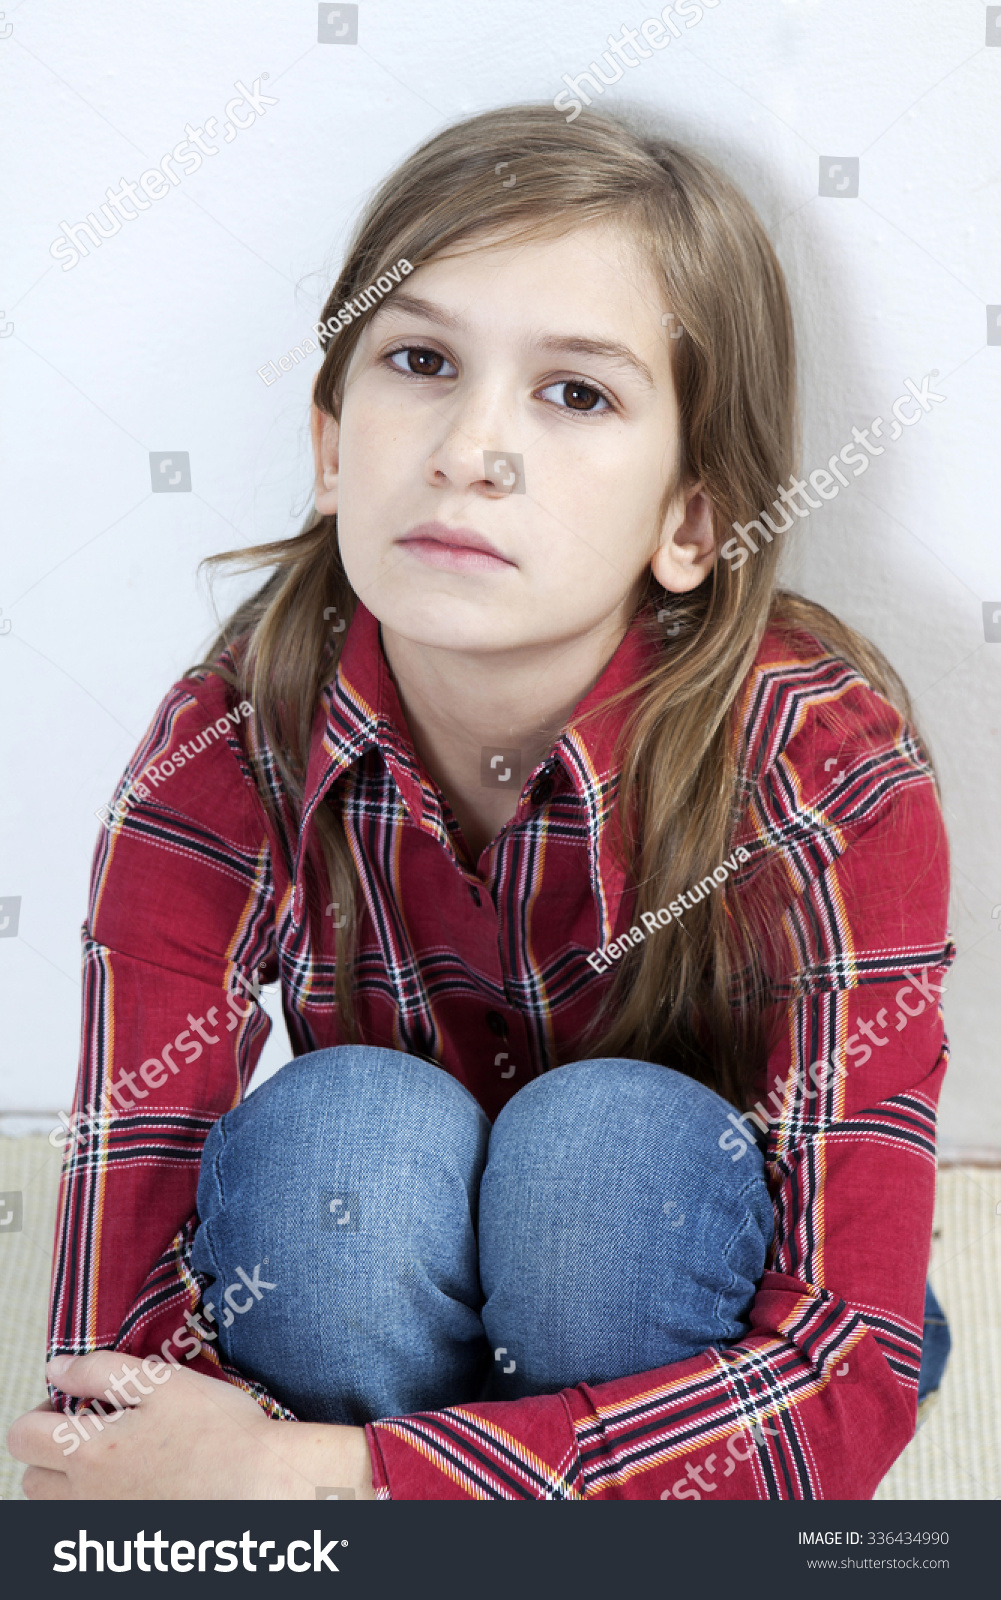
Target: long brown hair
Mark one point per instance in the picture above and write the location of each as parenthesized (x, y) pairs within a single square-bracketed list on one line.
[(695, 995)]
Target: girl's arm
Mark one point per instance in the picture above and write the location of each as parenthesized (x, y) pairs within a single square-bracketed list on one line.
[(819, 1398), (180, 926)]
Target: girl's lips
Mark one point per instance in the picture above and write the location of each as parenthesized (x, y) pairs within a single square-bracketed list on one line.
[(454, 557), (453, 549)]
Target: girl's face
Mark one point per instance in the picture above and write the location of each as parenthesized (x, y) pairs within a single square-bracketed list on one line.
[(508, 432)]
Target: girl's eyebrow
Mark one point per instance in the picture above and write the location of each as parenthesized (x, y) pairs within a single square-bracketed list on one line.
[(416, 307), (611, 350), (569, 344)]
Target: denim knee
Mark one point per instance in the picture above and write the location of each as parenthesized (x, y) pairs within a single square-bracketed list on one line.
[(615, 1235), (351, 1179)]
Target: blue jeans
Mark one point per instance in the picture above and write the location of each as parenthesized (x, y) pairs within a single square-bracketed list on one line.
[(421, 1258), (935, 1346), (378, 1248)]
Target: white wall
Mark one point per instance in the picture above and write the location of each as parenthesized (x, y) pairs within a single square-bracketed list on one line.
[(153, 342)]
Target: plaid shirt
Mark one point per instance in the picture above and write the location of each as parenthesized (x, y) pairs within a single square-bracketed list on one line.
[(196, 893)]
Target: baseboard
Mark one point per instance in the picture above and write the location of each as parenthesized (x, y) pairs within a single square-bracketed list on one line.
[(973, 1155)]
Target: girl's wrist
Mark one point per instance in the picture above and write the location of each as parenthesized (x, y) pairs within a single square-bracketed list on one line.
[(321, 1460)]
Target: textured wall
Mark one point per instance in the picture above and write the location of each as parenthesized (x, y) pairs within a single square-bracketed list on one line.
[(152, 344)]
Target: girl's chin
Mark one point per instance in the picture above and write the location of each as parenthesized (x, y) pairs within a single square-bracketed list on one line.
[(441, 623)]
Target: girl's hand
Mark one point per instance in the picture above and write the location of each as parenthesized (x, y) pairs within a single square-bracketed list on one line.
[(182, 1436)]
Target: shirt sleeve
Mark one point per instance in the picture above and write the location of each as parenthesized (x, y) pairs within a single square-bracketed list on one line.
[(819, 1398), (180, 929)]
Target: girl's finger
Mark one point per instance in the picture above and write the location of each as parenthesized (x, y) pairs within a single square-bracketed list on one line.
[(33, 1438), (99, 1372)]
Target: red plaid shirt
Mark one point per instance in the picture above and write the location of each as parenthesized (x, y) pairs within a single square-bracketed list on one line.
[(195, 891)]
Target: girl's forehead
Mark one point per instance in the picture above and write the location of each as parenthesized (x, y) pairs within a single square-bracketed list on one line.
[(602, 263), (610, 238)]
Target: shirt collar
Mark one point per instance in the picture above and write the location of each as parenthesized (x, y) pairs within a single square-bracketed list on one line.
[(360, 711), (588, 746)]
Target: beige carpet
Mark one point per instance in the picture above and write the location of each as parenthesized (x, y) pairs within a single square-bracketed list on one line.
[(955, 1455), (29, 1166)]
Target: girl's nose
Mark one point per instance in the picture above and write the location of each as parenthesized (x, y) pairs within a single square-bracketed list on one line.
[(474, 452)]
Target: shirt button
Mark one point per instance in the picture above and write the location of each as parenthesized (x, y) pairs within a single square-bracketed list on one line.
[(542, 791), (495, 1022), (475, 894)]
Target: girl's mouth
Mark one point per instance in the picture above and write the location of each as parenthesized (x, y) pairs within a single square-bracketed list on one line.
[(453, 549)]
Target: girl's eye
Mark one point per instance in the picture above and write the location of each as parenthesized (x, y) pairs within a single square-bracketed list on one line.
[(422, 363), (575, 396)]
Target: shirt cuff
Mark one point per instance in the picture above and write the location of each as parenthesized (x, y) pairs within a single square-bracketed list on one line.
[(493, 1450), (380, 1479)]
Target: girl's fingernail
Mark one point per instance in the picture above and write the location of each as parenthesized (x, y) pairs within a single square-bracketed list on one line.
[(58, 1365)]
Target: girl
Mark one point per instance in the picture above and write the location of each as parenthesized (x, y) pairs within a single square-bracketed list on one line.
[(606, 886)]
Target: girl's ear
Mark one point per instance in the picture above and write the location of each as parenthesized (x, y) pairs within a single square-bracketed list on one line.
[(325, 433), (687, 551)]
